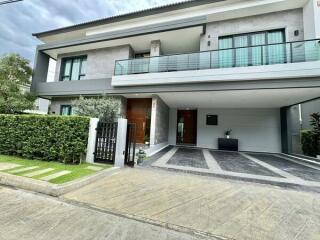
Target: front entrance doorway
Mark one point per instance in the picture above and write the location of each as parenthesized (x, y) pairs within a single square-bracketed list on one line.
[(187, 127), (139, 113)]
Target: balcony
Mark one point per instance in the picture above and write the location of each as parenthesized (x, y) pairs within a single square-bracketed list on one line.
[(216, 65), (293, 52)]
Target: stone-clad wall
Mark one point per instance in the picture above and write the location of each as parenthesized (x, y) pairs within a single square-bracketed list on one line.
[(161, 121), (56, 103), (290, 20), (100, 62)]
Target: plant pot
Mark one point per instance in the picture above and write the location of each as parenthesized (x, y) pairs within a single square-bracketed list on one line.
[(227, 136)]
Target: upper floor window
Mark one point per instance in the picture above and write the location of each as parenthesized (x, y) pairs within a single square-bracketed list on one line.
[(73, 68), (250, 50)]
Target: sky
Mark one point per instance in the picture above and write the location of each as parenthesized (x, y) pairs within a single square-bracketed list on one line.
[(19, 20)]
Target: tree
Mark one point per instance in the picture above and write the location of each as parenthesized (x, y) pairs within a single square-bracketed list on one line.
[(105, 108), (15, 74), (315, 123)]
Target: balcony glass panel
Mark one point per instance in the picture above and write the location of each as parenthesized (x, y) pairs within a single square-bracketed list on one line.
[(243, 56)]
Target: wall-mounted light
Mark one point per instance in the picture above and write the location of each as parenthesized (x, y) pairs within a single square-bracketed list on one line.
[(209, 43), (296, 33), (318, 3)]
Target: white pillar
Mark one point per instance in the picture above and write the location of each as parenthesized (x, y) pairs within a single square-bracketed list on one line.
[(153, 121), (311, 19), (121, 142), (92, 139)]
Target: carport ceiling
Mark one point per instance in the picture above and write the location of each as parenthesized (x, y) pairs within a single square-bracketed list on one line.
[(265, 98)]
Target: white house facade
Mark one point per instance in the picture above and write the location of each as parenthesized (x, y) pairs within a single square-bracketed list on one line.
[(186, 73)]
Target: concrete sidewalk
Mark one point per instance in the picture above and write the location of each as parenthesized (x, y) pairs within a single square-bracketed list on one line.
[(28, 216), (233, 209)]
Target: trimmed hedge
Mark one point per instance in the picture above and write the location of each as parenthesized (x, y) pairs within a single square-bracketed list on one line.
[(310, 143), (50, 138)]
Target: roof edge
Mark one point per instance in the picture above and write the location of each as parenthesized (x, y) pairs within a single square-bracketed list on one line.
[(127, 16)]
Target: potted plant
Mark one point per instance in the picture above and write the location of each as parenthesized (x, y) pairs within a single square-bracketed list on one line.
[(228, 133)]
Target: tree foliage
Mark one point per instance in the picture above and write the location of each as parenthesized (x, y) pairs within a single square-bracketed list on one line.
[(15, 74), (310, 139), (105, 108)]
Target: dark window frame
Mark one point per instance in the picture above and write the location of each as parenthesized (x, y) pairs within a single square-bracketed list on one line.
[(69, 109), (63, 65), (249, 40)]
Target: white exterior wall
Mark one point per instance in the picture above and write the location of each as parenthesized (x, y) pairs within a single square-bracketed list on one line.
[(257, 129), (311, 18)]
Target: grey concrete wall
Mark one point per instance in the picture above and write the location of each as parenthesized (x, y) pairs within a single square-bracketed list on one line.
[(57, 102), (100, 62), (294, 125), (161, 122), (256, 129), (291, 20)]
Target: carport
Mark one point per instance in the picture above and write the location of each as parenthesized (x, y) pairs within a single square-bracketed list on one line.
[(257, 117)]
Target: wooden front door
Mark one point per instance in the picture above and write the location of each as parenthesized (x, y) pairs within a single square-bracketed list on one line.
[(187, 127), (139, 113)]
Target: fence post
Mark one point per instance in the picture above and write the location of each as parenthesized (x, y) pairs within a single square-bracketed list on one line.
[(121, 142), (92, 139)]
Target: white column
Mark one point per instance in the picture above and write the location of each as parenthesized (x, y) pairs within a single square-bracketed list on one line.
[(311, 19), (121, 142), (153, 121), (92, 139)]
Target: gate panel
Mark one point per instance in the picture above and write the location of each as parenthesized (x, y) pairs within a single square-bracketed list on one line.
[(106, 142), (130, 145)]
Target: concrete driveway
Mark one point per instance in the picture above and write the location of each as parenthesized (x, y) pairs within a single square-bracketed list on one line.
[(214, 206), (28, 216)]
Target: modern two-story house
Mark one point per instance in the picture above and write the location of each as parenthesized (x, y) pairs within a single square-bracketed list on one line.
[(187, 72)]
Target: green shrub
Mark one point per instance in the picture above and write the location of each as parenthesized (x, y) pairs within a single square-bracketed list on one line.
[(50, 138), (310, 143)]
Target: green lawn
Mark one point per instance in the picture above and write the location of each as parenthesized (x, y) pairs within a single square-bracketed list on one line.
[(77, 171)]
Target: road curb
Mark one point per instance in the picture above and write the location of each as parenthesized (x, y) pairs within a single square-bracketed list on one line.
[(51, 189)]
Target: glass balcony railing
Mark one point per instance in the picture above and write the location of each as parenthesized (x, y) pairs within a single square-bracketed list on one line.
[(282, 53)]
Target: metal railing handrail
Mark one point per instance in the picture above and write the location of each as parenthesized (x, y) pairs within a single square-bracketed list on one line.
[(217, 50)]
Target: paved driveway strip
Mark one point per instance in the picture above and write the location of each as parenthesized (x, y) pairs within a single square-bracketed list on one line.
[(220, 207), (234, 165)]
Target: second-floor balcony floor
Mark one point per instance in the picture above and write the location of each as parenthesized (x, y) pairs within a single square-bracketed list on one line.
[(259, 55)]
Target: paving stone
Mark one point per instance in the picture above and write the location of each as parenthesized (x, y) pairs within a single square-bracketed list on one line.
[(6, 166), (94, 168), (39, 172), (55, 175), (235, 162), (23, 169), (296, 169), (190, 157)]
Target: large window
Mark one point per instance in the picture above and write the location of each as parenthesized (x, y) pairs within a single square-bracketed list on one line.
[(73, 68), (65, 110), (252, 49)]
